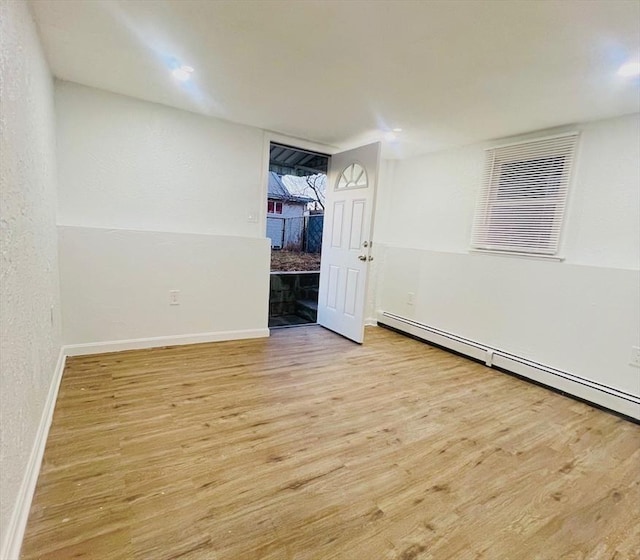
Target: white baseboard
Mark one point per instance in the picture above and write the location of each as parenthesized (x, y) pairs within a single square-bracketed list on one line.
[(14, 534), (596, 393), (158, 341)]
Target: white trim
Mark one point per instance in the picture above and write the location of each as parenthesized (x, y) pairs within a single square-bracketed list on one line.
[(569, 207), (597, 393), (532, 138), (159, 341), (18, 522), (301, 143), (516, 254), (290, 272), (160, 231)]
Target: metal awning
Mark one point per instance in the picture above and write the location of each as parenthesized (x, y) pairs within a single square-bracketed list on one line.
[(286, 160)]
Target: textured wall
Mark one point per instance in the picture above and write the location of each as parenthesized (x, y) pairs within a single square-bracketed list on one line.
[(153, 199), (580, 315), (432, 200), (130, 164), (115, 284), (29, 339)]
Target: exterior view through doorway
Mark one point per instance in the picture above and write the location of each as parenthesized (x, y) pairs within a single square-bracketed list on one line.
[(321, 222), (295, 217)]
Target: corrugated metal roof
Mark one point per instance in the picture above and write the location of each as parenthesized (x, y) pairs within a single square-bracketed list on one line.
[(278, 190), (293, 161)]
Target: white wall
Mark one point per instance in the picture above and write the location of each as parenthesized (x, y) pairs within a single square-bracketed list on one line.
[(432, 199), (581, 315), (604, 217), (147, 171), (116, 285), (29, 299), (131, 164)]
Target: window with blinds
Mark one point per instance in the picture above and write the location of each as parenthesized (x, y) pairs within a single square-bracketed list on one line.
[(523, 194)]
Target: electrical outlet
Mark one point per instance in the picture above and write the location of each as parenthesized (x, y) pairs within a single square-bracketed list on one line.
[(411, 298), (174, 297), (252, 217), (635, 356)]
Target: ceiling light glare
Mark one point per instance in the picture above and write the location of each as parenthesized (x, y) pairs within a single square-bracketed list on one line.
[(390, 136), (397, 130), (183, 73), (629, 70)]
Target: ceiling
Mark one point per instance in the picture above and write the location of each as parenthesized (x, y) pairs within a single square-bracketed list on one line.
[(345, 72)]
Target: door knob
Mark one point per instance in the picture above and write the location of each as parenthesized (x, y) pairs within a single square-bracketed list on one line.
[(363, 257)]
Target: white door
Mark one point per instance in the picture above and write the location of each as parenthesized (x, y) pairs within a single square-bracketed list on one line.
[(346, 240)]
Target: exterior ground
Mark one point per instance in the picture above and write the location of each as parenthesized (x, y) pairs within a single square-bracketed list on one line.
[(294, 261)]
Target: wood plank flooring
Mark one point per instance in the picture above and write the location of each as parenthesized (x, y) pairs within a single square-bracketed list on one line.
[(307, 446)]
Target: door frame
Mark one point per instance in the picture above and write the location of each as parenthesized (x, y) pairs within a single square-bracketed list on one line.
[(261, 211)]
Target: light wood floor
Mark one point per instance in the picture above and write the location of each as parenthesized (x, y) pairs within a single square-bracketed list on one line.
[(307, 446)]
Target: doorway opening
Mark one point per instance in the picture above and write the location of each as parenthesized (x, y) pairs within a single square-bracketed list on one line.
[(295, 218)]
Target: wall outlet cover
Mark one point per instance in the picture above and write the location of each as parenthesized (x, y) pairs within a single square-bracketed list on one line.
[(174, 297)]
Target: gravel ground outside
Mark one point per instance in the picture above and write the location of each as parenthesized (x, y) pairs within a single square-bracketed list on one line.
[(292, 261)]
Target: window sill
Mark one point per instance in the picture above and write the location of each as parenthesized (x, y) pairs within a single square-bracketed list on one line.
[(533, 256)]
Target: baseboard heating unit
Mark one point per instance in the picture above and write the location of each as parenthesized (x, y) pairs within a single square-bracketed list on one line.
[(598, 394)]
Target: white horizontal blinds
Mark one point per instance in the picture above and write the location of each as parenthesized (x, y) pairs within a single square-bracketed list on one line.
[(523, 195)]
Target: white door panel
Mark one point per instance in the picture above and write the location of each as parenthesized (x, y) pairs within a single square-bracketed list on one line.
[(346, 243)]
